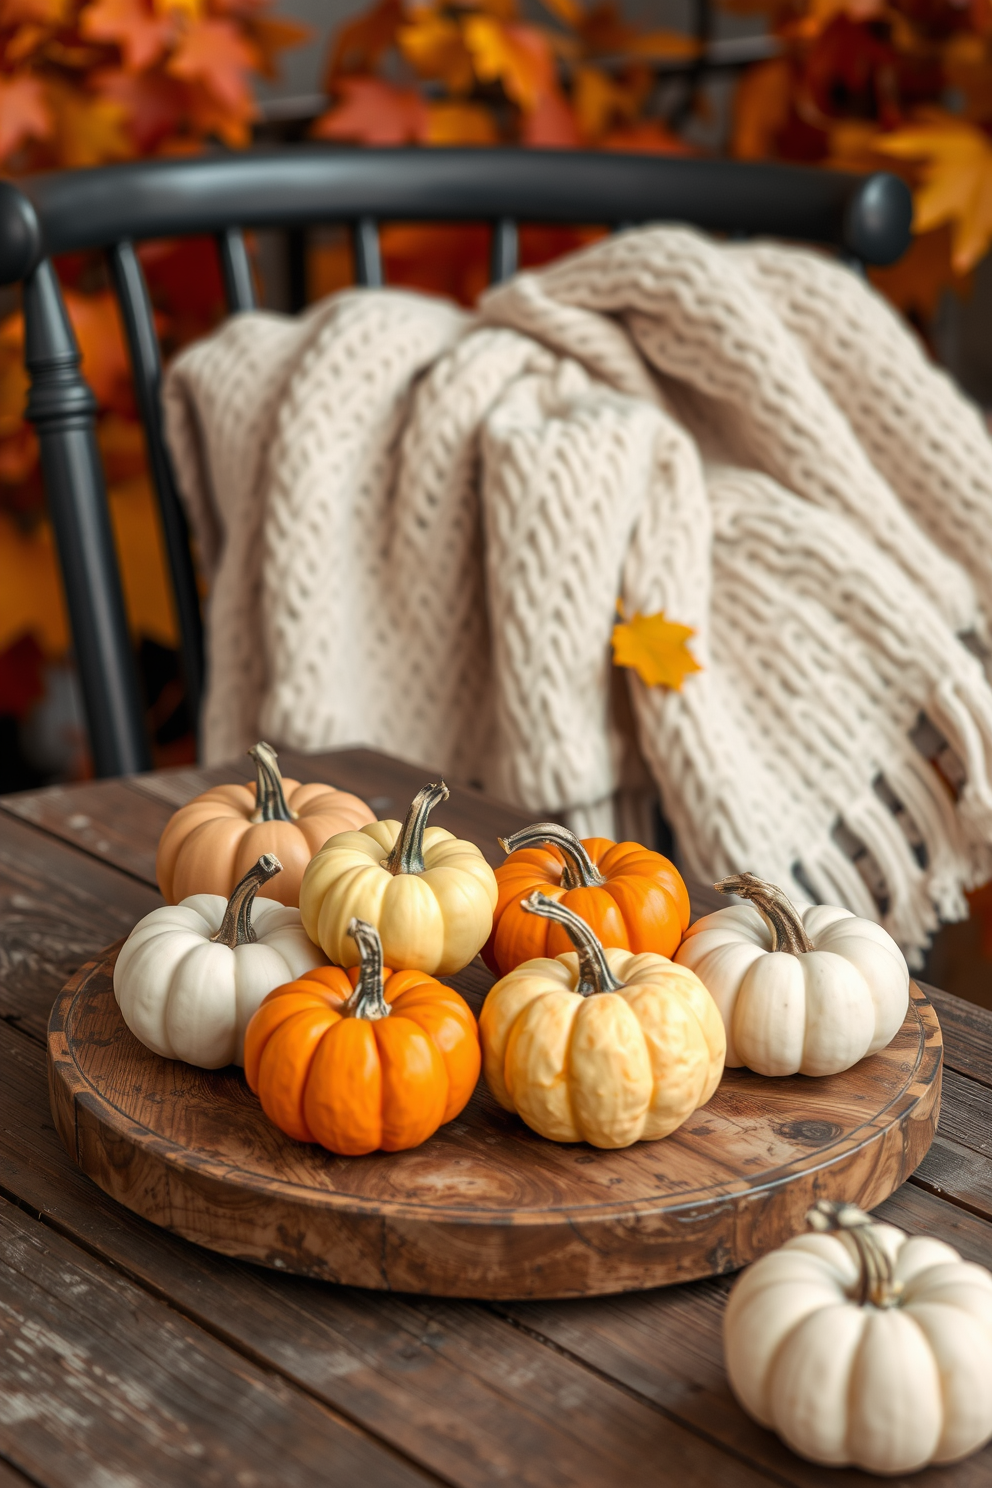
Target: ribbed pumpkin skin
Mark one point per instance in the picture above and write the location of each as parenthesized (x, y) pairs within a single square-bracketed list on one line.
[(643, 906), (359, 1085), (211, 842)]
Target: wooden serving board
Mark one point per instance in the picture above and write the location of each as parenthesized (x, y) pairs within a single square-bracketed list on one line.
[(486, 1208)]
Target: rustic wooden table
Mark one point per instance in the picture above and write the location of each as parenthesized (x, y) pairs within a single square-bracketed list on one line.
[(132, 1359)]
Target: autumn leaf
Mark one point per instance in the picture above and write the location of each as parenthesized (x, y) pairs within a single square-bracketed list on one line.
[(375, 112), (219, 57), (655, 648), (153, 104), (761, 109), (271, 36), (956, 169), (519, 57), (434, 47), (361, 43), (24, 113), (460, 124), (129, 24), (663, 46), (89, 130)]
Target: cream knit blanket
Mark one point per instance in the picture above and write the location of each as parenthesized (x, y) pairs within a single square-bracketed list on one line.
[(416, 525)]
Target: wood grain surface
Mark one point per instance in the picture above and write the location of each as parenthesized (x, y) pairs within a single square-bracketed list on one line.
[(561, 1394), (486, 1208)]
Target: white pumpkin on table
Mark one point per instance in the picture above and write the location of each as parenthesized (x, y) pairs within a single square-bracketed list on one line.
[(190, 976), (863, 1347), (808, 993)]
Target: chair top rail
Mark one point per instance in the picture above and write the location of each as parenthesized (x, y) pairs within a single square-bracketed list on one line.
[(301, 185)]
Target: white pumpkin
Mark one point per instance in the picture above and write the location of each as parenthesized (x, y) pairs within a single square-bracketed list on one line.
[(806, 994), (862, 1347), (190, 975)]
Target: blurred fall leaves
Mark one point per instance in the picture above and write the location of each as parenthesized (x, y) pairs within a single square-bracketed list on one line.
[(903, 85), (476, 73), (84, 82)]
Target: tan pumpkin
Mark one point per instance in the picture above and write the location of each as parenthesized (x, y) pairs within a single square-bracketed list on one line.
[(212, 841), (604, 1046)]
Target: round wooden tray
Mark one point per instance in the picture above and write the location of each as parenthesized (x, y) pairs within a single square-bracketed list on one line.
[(486, 1208)]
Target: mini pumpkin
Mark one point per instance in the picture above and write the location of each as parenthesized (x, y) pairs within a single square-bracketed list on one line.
[(631, 897), (429, 894), (211, 842), (605, 1046), (359, 1063), (862, 1347), (807, 993), (190, 975)]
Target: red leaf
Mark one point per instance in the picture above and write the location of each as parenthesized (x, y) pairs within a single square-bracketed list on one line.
[(216, 55), (130, 24), (375, 113), (24, 113)]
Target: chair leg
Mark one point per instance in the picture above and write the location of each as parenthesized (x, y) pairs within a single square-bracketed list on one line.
[(63, 410)]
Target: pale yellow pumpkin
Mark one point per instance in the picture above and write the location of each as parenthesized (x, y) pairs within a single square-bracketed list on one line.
[(603, 1046), (429, 894)]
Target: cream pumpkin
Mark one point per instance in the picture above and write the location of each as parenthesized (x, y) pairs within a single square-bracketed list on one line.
[(602, 1046), (190, 975), (429, 894), (808, 994), (212, 841), (862, 1347)]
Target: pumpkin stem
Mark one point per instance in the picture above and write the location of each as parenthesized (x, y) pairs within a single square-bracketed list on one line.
[(580, 872), (877, 1284), (777, 911), (368, 999), (235, 928), (269, 795), (407, 855), (594, 969)]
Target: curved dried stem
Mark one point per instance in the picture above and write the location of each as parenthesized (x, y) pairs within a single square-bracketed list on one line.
[(594, 969), (779, 913), (269, 795), (580, 871), (877, 1285), (236, 928), (407, 855), (368, 999)]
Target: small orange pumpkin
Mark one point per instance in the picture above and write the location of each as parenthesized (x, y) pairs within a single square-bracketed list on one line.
[(359, 1063), (212, 841), (629, 896)]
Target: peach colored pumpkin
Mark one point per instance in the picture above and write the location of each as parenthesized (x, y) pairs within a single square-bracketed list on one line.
[(212, 841)]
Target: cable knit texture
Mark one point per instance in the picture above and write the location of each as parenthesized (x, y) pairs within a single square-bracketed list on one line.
[(417, 524)]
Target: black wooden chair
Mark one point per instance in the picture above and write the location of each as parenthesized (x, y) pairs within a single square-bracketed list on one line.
[(865, 218)]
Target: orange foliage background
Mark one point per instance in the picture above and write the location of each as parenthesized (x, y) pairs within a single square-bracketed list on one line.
[(905, 84)]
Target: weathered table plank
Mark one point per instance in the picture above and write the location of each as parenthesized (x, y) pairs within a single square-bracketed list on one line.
[(93, 1370), (57, 908)]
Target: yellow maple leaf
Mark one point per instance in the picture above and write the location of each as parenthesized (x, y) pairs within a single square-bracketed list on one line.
[(956, 187), (655, 648)]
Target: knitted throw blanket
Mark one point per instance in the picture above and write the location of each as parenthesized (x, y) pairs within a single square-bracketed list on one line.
[(417, 523)]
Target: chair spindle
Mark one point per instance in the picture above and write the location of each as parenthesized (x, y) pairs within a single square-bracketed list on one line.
[(504, 252), (63, 411), (368, 254), (146, 363), (235, 266)]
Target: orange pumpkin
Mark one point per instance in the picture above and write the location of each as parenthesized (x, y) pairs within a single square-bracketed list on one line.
[(363, 1059), (211, 842), (630, 897)]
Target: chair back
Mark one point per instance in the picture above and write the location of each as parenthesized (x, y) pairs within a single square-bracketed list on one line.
[(866, 218)]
